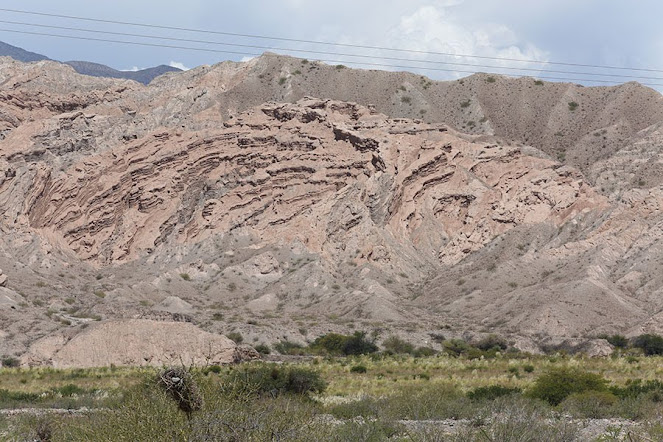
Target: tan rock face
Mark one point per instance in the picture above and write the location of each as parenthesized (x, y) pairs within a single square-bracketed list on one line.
[(134, 343)]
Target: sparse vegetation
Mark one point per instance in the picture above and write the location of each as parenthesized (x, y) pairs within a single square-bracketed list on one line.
[(263, 349), (217, 316), (185, 276), (538, 82), (10, 361), (282, 81), (465, 104), (490, 79), (236, 337), (573, 106), (257, 400)]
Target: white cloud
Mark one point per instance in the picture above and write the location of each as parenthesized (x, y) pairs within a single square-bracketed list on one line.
[(245, 59), (434, 28), (437, 26), (178, 65), (133, 69)]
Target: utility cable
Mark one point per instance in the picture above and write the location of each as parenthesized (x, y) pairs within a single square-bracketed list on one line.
[(323, 60), (335, 54), (349, 45)]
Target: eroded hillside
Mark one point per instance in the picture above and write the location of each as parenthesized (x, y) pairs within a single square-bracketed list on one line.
[(223, 197)]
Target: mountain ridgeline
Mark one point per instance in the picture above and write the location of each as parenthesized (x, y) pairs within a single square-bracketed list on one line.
[(144, 76)]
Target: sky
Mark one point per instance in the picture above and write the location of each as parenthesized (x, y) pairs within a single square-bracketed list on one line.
[(594, 32)]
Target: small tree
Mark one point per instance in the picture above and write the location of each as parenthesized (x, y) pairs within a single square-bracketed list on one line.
[(557, 384), (618, 341), (491, 342), (649, 343), (359, 344), (396, 345)]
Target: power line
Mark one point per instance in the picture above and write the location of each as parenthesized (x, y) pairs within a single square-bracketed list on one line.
[(324, 59), (264, 37), (335, 54)]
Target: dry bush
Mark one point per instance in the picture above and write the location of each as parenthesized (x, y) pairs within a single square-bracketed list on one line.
[(179, 384)]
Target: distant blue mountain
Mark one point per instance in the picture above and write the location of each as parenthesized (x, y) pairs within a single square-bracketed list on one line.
[(144, 76), (19, 54), (101, 70)]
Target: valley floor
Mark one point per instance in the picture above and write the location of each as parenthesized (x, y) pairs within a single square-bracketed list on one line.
[(511, 397)]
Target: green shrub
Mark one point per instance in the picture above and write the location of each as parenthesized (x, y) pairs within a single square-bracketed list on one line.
[(263, 349), (9, 398), (273, 380), (456, 347), (396, 345), (337, 344), (216, 369), (649, 343), (491, 342), (332, 343), (358, 369), (185, 276), (618, 341), (589, 404), (528, 368), (10, 361), (573, 106), (289, 348), (423, 352), (635, 388), (236, 337), (367, 407), (557, 384), (490, 79), (69, 390), (538, 82), (492, 392)]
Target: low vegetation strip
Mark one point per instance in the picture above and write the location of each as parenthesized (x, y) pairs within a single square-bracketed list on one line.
[(392, 397)]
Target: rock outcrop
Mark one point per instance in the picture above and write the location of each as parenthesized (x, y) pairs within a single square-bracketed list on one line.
[(134, 343), (229, 199)]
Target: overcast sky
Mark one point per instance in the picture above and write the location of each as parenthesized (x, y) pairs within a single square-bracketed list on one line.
[(602, 32)]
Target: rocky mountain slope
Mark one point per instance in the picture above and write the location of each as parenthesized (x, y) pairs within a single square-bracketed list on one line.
[(144, 76), (7, 50), (225, 197)]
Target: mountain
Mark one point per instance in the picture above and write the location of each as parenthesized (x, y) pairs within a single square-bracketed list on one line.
[(7, 50), (283, 199), (144, 76)]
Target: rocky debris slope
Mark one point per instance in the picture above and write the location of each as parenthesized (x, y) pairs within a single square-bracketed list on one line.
[(196, 199), (135, 342)]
